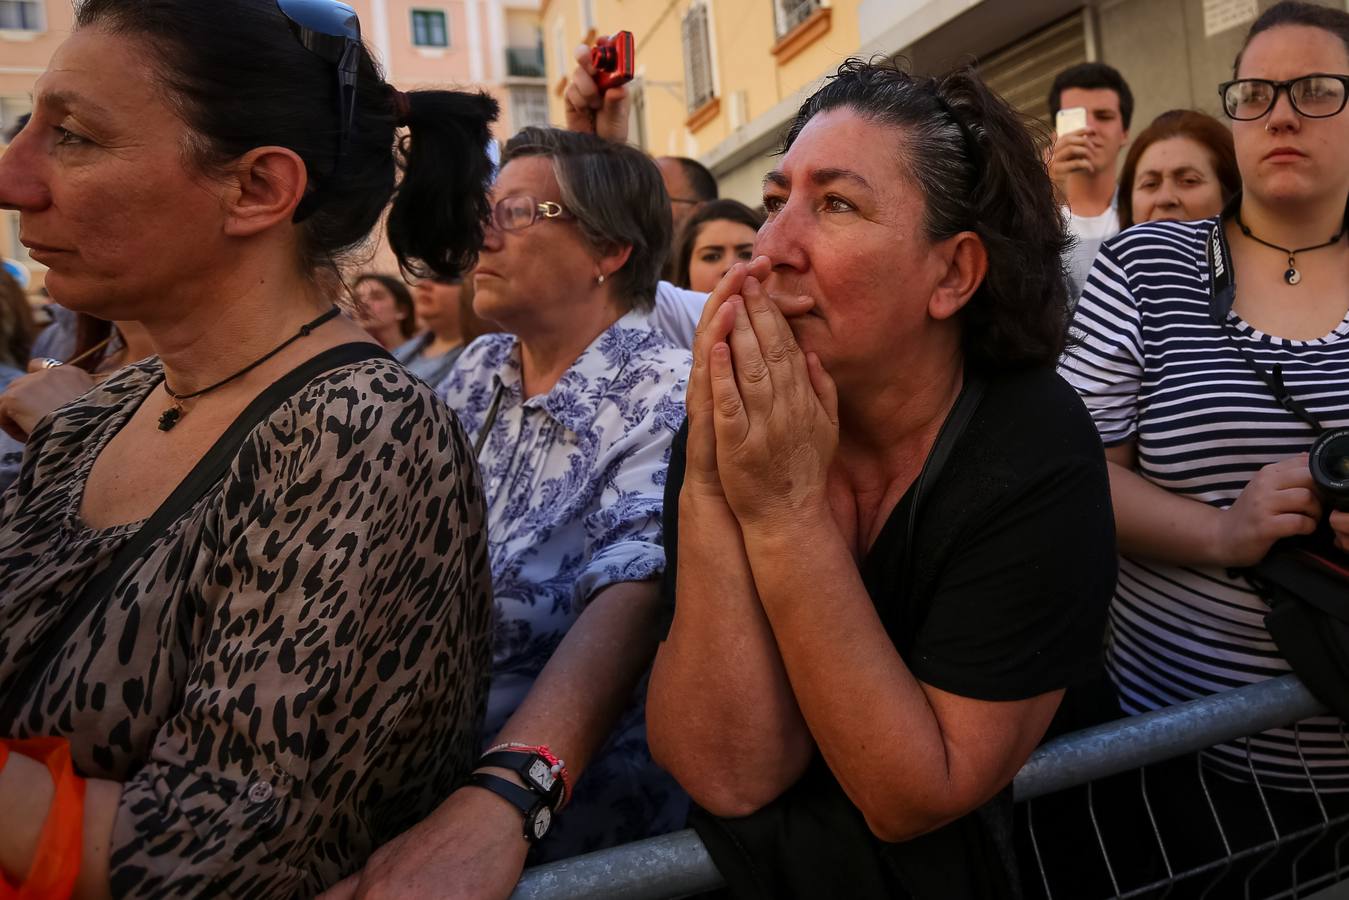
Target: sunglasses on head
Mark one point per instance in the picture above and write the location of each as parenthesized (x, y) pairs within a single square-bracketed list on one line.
[(331, 30)]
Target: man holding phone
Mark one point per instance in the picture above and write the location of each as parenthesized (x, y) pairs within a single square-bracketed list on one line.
[(1092, 107)]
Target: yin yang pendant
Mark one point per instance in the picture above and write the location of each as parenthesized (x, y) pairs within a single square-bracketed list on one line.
[(169, 417), (1292, 276)]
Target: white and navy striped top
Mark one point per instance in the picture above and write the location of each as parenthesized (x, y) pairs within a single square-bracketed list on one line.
[(1153, 366)]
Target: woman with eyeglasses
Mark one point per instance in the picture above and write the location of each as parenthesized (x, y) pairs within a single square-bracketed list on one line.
[(572, 409), (244, 621), (1213, 354)]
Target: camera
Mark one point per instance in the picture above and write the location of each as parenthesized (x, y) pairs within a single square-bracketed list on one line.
[(612, 58), (1329, 462)]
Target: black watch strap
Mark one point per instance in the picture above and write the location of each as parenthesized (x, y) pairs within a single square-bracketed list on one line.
[(534, 771), (538, 817)]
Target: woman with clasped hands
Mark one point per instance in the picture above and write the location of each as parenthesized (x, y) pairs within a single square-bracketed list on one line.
[(849, 683)]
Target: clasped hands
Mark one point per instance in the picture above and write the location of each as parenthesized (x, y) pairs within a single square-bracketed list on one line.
[(763, 413)]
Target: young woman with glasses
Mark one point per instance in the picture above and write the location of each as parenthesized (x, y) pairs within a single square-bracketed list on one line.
[(245, 615), (1185, 326)]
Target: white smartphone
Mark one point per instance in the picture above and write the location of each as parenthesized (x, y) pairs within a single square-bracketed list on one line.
[(1074, 118)]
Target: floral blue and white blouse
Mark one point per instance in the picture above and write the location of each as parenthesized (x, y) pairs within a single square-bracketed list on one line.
[(574, 481)]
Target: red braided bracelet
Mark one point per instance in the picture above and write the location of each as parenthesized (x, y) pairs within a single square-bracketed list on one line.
[(559, 768)]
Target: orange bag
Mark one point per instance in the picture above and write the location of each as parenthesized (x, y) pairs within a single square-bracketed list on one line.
[(61, 847)]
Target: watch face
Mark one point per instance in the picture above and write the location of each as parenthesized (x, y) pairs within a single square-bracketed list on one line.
[(541, 822), (541, 774)]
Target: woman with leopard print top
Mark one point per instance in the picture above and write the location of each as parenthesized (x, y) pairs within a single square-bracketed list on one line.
[(294, 669)]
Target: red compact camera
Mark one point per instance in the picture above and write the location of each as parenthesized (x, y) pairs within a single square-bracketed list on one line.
[(613, 58)]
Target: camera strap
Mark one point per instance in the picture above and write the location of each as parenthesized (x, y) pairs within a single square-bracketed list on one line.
[(1222, 287)]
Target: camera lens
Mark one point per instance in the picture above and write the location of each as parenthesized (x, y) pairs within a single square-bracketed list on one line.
[(1330, 464)]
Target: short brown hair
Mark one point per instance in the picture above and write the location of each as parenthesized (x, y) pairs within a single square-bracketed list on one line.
[(1187, 123), (617, 196)]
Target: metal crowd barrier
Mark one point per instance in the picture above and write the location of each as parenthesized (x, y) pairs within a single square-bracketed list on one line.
[(677, 865)]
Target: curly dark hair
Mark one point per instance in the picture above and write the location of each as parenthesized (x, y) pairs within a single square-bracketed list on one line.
[(976, 161), (712, 211)]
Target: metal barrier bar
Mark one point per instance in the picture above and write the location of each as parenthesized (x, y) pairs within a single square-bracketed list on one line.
[(672, 865), (677, 865), (1164, 734)]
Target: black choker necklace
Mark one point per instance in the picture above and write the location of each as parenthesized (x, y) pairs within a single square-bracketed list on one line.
[(1292, 275), (170, 416)]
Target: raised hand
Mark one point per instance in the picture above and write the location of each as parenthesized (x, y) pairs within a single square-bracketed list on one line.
[(775, 414), (591, 111)]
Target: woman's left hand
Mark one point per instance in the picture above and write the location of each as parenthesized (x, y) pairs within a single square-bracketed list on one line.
[(1339, 523), (775, 415), (471, 848)]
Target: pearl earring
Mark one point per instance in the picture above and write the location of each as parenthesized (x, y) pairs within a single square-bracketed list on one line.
[(600, 279)]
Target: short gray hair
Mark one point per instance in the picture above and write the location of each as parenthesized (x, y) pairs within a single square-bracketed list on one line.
[(617, 196)]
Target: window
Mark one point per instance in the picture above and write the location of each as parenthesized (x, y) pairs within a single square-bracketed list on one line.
[(11, 110), (21, 15), (637, 114), (790, 13), (562, 58), (429, 28), (525, 62), (529, 106), (698, 88)]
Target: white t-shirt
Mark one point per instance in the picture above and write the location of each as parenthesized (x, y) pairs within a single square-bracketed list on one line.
[(677, 312), (1088, 232)]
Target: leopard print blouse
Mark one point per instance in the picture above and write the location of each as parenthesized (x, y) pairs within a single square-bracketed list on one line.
[(296, 671)]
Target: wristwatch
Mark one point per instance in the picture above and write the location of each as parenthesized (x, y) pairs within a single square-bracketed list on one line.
[(535, 770), (538, 817)]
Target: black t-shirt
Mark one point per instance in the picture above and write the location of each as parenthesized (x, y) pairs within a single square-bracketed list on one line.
[(1013, 566)]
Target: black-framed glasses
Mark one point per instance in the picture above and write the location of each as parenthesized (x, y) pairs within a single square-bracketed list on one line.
[(1316, 96), (518, 213), (331, 30)]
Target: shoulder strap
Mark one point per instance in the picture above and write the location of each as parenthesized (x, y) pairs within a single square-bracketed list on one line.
[(204, 475), (951, 430)]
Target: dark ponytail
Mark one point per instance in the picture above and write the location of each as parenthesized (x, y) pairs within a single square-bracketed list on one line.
[(435, 225), (977, 164), (241, 79)]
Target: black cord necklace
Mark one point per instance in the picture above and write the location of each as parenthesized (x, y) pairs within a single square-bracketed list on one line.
[(170, 416), (1292, 275)]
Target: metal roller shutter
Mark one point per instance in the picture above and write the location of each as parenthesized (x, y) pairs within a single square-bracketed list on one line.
[(1023, 71)]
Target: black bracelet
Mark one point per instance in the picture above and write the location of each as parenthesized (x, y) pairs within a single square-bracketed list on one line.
[(534, 770), (538, 817)]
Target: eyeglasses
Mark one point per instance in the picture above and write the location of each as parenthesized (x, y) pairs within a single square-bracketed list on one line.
[(518, 213), (331, 30), (1314, 96)]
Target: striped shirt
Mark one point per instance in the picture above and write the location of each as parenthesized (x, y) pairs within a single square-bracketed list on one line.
[(1152, 366)]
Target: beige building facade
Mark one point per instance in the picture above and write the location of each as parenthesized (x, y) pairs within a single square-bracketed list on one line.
[(718, 80), (493, 44)]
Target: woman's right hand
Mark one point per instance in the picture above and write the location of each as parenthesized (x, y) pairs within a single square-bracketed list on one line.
[(1279, 502), (590, 110), (31, 397), (714, 327), (471, 848)]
